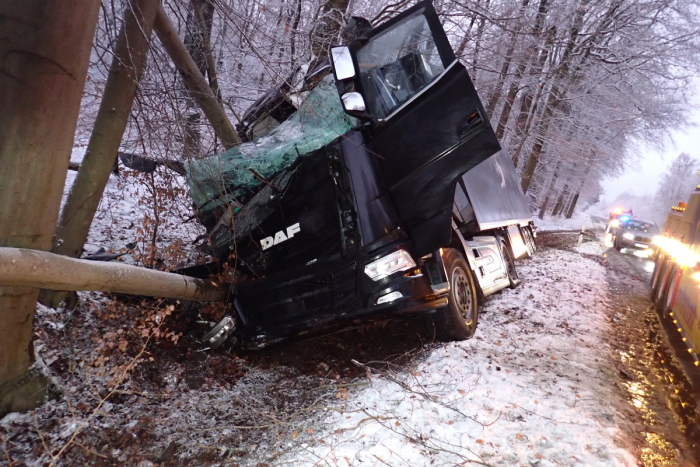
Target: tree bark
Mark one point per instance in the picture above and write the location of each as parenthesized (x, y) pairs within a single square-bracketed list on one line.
[(328, 26), (194, 80), (548, 195), (43, 64), (20, 267), (560, 202), (127, 65), (572, 206)]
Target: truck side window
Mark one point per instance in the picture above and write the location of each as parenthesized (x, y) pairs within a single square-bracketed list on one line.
[(396, 65)]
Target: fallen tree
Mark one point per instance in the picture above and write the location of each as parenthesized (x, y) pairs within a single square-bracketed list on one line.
[(21, 267)]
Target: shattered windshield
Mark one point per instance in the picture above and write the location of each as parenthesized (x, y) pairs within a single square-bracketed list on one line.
[(216, 180), (396, 65)]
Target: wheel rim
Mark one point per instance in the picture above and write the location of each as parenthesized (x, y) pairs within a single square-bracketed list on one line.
[(462, 292)]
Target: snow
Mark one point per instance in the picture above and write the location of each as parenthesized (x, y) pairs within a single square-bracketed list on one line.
[(528, 389), (559, 223)]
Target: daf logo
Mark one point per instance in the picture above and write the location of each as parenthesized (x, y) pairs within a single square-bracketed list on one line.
[(280, 236)]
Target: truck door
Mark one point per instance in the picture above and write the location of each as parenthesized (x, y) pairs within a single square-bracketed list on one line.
[(427, 124)]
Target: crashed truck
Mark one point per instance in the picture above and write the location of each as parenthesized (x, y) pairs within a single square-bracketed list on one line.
[(675, 281), (374, 189)]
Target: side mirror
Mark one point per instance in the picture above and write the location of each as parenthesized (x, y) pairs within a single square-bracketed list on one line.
[(342, 63), (345, 76), (353, 102)]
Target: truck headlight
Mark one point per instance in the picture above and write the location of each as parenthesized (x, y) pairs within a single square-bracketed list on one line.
[(614, 223), (389, 264), (628, 236)]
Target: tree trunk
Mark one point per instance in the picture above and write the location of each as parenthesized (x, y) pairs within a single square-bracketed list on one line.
[(194, 80), (43, 63), (574, 200), (20, 267), (127, 65), (328, 26), (520, 71), (572, 206), (556, 94), (560, 202), (505, 66), (552, 184)]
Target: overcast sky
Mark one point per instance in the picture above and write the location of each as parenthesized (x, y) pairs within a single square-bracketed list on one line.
[(643, 177)]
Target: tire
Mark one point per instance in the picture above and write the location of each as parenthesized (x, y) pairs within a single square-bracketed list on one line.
[(616, 244), (656, 287), (531, 236), (529, 241), (654, 283), (458, 320), (660, 302), (509, 261)]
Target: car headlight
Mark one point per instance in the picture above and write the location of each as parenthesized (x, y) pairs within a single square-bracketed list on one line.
[(614, 223), (628, 236), (389, 264)]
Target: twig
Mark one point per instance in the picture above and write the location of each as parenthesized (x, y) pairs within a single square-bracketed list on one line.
[(102, 401), (344, 385), (10, 463), (424, 395), (43, 441), (533, 413)]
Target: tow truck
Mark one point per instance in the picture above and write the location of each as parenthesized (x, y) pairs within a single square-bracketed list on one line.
[(675, 282), (374, 188)]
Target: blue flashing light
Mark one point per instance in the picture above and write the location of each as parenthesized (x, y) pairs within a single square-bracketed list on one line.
[(624, 218)]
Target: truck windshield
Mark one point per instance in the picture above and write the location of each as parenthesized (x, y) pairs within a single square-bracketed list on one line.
[(638, 226), (396, 65)]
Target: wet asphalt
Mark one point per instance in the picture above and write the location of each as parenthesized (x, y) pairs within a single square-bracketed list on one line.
[(655, 374)]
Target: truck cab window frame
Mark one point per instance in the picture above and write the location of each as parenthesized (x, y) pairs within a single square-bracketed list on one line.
[(402, 60)]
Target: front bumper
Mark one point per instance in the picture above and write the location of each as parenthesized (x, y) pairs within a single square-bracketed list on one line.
[(635, 244), (417, 296)]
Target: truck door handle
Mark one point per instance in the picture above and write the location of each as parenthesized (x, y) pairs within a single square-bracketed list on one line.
[(470, 124)]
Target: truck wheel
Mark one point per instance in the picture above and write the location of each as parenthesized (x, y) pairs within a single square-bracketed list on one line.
[(664, 289), (458, 320), (529, 241), (658, 265), (531, 236), (510, 265), (657, 285)]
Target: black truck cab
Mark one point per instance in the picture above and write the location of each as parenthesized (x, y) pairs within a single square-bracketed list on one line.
[(369, 225)]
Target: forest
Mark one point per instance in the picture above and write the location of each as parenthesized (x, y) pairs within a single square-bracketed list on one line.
[(567, 85)]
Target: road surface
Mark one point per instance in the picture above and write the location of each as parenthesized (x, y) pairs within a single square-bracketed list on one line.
[(661, 383)]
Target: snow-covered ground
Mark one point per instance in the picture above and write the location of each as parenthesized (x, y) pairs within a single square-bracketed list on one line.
[(577, 221), (528, 389)]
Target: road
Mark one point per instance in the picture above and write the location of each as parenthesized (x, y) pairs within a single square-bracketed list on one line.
[(660, 381)]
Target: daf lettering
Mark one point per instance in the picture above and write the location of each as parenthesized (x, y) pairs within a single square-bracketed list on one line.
[(280, 236)]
